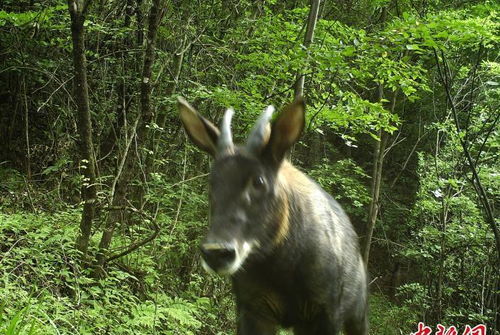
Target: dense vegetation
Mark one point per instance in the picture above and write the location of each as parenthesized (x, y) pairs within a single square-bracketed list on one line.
[(103, 200)]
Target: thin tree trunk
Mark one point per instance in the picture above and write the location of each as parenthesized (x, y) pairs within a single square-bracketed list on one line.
[(123, 92), (125, 173), (442, 253), (78, 10), (26, 132), (154, 18), (140, 24), (378, 162), (311, 25), (162, 118), (172, 85), (445, 77), (395, 280)]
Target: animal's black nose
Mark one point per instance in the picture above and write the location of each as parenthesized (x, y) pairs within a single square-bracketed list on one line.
[(218, 255)]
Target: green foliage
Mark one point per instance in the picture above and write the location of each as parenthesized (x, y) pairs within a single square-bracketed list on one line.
[(44, 290), (388, 318), (34, 18), (16, 324), (449, 236), (371, 66), (346, 181)]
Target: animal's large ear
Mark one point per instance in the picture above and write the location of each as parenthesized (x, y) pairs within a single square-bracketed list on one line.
[(201, 131), (286, 130)]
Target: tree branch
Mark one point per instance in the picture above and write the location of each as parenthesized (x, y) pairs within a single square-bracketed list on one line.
[(443, 71), (134, 246)]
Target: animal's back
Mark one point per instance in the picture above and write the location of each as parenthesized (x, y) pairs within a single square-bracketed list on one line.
[(336, 268)]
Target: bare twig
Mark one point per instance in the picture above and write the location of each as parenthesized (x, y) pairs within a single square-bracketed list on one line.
[(189, 179), (179, 205), (134, 246)]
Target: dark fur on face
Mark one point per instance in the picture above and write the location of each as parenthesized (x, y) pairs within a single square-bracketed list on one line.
[(245, 196)]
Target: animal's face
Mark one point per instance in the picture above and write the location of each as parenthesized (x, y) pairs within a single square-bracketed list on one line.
[(244, 203), (247, 201)]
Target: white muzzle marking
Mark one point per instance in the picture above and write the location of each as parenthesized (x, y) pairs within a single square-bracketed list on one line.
[(242, 251)]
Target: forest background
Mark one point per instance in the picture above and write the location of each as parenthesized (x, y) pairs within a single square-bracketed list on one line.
[(103, 200)]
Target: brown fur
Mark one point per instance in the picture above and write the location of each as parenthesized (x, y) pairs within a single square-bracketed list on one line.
[(288, 175), (284, 222)]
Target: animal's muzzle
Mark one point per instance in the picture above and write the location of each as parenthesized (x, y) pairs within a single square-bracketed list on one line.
[(218, 255)]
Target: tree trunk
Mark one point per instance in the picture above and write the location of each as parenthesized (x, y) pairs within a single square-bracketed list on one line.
[(395, 280), (172, 85), (77, 10), (445, 78), (125, 172), (378, 161), (311, 25), (442, 255), (26, 132), (154, 18), (162, 118), (123, 92)]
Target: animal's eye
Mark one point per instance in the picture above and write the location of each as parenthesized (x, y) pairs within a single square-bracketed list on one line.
[(258, 182)]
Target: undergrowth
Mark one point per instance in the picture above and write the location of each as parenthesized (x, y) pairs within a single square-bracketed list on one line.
[(43, 289)]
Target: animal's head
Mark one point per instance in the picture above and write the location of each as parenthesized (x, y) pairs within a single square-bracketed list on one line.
[(248, 207)]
